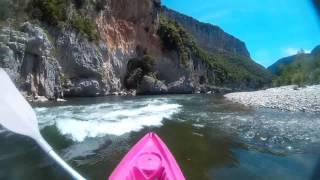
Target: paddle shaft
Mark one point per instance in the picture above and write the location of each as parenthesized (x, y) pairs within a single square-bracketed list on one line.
[(48, 149), (17, 115)]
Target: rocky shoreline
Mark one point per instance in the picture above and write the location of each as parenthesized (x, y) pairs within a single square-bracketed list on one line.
[(286, 98), (149, 86)]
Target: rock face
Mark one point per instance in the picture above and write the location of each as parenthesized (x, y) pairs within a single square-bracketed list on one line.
[(126, 27), (83, 66), (26, 56), (207, 36), (83, 87), (55, 62), (150, 85), (181, 86), (78, 57), (71, 65)]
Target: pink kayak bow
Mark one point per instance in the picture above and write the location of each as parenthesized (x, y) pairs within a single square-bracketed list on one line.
[(149, 159)]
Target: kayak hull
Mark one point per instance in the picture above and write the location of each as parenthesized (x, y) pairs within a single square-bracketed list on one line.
[(149, 159)]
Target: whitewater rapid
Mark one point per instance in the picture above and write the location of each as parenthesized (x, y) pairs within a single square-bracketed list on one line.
[(271, 130), (113, 118)]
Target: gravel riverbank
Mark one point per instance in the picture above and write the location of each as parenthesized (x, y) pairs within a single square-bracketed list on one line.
[(287, 98)]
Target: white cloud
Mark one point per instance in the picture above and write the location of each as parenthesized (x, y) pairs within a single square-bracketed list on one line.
[(292, 51)]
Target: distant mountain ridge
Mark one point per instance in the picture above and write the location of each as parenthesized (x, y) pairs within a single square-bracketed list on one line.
[(275, 68), (302, 68), (316, 51)]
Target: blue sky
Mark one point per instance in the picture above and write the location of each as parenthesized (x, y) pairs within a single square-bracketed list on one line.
[(271, 29)]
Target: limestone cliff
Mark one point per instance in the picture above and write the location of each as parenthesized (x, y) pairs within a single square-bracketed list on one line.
[(27, 56), (65, 63), (82, 48), (207, 36)]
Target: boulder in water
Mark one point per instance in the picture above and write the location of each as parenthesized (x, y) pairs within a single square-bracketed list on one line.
[(150, 85), (181, 86)]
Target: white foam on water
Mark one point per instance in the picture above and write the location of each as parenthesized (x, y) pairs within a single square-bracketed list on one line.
[(81, 122)]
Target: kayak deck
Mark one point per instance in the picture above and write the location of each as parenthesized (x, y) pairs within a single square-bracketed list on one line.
[(149, 159)]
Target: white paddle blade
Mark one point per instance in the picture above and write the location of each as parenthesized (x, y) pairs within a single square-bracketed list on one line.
[(15, 112), (18, 116)]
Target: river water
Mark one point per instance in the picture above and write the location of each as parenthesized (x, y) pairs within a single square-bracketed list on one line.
[(210, 137)]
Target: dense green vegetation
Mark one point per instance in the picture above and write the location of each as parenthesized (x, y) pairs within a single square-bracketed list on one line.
[(240, 70), (5, 10), (85, 26), (56, 13), (304, 70), (79, 3), (13, 11), (175, 38), (52, 12), (137, 68), (228, 68)]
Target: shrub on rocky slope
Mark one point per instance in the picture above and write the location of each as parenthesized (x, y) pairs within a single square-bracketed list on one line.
[(62, 14), (136, 69)]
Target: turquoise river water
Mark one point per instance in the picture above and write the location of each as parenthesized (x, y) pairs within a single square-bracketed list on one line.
[(210, 137)]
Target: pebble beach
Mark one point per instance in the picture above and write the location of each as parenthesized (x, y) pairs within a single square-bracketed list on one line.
[(286, 98)]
